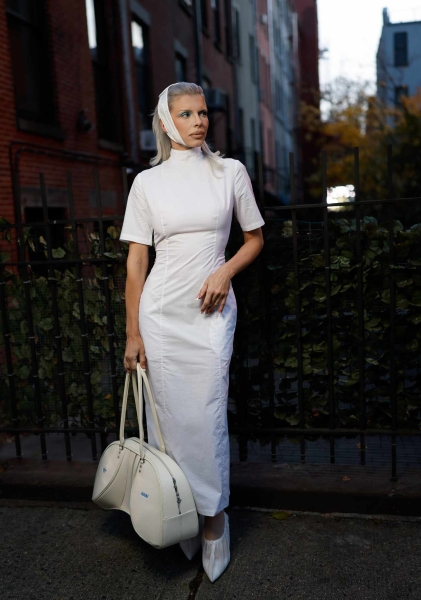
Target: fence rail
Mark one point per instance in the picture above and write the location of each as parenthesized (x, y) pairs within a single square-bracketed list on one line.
[(277, 316)]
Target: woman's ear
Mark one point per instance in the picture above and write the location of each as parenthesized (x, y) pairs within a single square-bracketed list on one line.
[(162, 125)]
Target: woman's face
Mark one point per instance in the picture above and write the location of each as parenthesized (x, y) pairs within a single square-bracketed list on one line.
[(190, 116)]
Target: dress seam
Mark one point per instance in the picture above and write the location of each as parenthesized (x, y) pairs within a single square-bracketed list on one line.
[(164, 403), (220, 427)]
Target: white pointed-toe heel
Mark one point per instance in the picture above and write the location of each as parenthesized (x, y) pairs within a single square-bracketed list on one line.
[(216, 553), (191, 546)]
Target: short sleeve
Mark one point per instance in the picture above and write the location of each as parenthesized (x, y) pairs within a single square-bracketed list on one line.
[(245, 207), (137, 225)]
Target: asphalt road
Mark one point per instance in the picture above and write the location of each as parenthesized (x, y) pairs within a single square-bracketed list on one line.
[(72, 551)]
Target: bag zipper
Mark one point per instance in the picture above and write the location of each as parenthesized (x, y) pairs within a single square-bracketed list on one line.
[(173, 479)]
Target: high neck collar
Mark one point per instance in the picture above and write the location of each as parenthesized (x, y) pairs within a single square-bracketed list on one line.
[(191, 155)]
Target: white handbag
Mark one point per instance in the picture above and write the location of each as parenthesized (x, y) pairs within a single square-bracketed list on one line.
[(145, 482)]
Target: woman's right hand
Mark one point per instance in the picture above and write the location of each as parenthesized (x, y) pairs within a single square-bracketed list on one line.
[(134, 349)]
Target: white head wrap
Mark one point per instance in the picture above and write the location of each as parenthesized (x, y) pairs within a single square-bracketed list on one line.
[(165, 115)]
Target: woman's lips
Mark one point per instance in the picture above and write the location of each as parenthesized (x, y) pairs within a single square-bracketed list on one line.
[(197, 134)]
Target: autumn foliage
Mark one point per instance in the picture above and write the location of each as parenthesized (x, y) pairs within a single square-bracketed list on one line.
[(354, 118)]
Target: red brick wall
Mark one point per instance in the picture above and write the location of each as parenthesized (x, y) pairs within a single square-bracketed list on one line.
[(74, 90)]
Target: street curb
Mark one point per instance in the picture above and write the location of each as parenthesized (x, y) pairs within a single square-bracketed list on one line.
[(304, 487)]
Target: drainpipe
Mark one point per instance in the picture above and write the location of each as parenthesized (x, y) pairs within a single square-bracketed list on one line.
[(128, 81), (198, 41)]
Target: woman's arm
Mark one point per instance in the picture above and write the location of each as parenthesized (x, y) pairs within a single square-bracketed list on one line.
[(216, 287), (137, 267)]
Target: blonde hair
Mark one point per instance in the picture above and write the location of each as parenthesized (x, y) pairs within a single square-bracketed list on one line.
[(163, 142)]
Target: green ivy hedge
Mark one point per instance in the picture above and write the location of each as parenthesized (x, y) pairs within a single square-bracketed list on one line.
[(69, 317), (266, 336), (378, 273)]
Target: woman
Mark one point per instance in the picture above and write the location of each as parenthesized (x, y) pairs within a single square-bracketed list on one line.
[(181, 321)]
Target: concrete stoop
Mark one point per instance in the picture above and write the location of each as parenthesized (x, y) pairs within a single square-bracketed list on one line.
[(301, 487)]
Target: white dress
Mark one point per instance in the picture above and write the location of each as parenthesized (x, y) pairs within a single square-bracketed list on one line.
[(188, 353)]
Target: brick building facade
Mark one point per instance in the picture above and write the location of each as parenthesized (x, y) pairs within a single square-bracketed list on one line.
[(79, 80)]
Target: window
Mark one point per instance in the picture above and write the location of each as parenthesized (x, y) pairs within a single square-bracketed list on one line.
[(401, 49), (270, 146), (253, 134), (278, 156), (180, 67), (236, 27), (141, 59), (228, 28), (100, 15), (32, 73), (252, 52), (204, 14), (268, 89), (400, 90), (206, 83), (278, 96), (216, 21), (241, 127)]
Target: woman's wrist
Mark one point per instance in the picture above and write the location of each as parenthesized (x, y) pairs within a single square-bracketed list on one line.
[(229, 269), (133, 334)]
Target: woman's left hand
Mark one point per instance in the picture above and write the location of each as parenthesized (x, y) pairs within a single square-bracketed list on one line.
[(215, 289)]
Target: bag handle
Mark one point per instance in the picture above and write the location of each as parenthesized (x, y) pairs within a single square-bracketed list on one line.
[(139, 407)]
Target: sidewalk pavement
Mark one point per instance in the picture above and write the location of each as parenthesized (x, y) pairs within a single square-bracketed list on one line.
[(77, 551)]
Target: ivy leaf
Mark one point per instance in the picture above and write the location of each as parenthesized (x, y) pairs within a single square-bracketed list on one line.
[(386, 296), (397, 226), (280, 515), (4, 223), (67, 355), (279, 414), (416, 298), (372, 361), (402, 303), (46, 324), (58, 253), (24, 371), (344, 261), (370, 220), (318, 260), (293, 420), (404, 282)]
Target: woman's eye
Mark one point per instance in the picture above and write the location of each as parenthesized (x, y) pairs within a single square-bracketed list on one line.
[(187, 114)]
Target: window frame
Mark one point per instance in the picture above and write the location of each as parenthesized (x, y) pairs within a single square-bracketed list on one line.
[(44, 120), (107, 76), (400, 50), (216, 14), (183, 61), (146, 65)]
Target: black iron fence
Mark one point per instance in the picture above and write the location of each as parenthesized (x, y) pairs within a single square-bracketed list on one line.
[(328, 338)]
